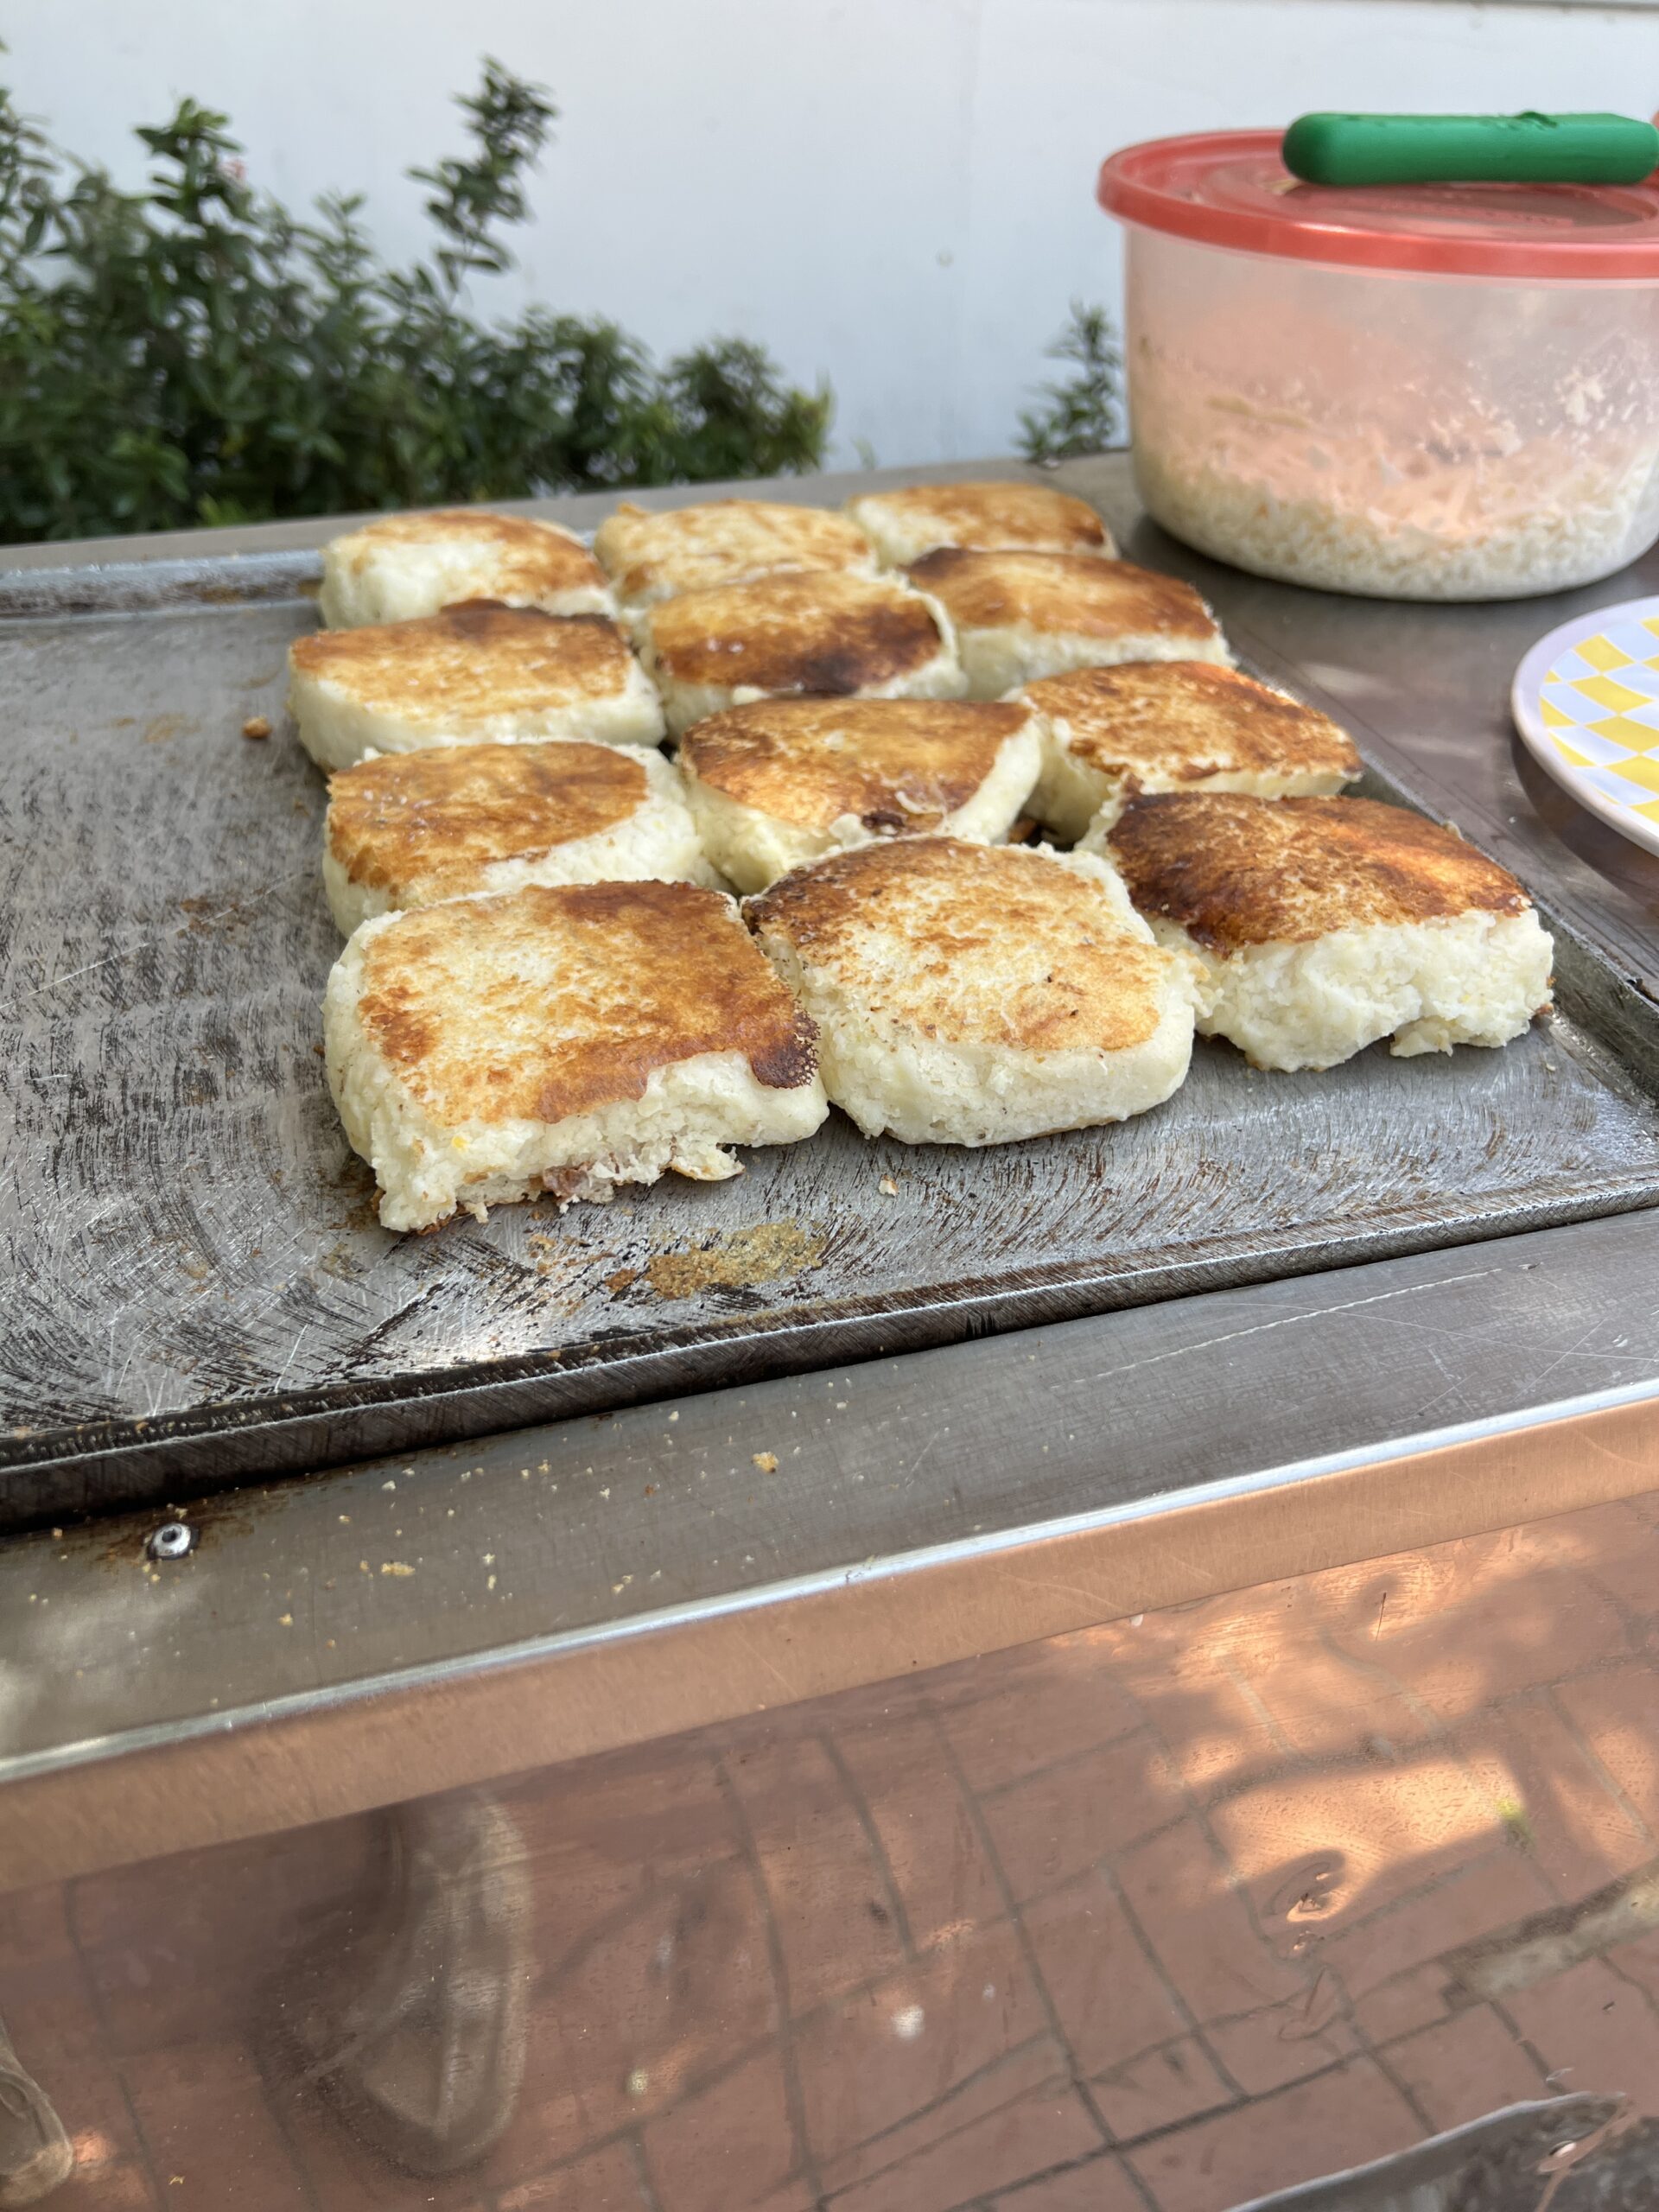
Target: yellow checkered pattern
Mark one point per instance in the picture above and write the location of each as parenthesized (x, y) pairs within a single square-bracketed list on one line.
[(1599, 705)]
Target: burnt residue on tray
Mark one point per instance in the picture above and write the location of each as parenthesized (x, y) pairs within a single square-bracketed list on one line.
[(771, 1251)]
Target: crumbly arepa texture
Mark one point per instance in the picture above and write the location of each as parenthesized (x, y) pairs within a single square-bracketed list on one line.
[(1020, 616), (917, 518), (1325, 923), (651, 556), (405, 829), (978, 994), (781, 782), (472, 674), (561, 1040), (1111, 734), (841, 636), (402, 566)]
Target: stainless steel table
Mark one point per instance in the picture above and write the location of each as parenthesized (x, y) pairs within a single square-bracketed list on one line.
[(1253, 1695)]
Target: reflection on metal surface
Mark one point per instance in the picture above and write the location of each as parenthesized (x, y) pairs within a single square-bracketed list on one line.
[(561, 1698), (36, 2157), (1549, 1942), (1512, 2161), (415, 2029), (1171, 1915)]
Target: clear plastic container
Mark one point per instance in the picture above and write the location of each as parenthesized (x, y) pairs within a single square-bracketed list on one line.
[(1419, 392)]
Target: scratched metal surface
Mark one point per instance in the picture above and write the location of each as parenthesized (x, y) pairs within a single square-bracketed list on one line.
[(199, 1281)]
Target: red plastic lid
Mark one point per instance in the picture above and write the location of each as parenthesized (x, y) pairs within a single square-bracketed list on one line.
[(1229, 188)]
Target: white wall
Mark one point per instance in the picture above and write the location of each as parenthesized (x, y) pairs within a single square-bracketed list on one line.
[(898, 194)]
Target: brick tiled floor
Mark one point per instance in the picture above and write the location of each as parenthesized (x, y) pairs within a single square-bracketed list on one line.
[(1465, 2067), (875, 2063), (1350, 2115), (1159, 2089), (1034, 1708), (1100, 2186), (727, 2147), (1149, 1919), (1056, 1823), (1613, 1712), (1596, 2028), (1215, 1734), (607, 2182), (1037, 2130), (939, 1867), (212, 2136), (1493, 1891), (1201, 1928), (1036, 2067), (1528, 1757), (836, 1918), (1110, 1997)]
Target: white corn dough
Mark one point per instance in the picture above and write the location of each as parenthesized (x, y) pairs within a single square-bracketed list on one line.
[(1470, 979), (949, 985), (402, 566), (656, 838), (467, 676), (776, 783), (452, 1035)]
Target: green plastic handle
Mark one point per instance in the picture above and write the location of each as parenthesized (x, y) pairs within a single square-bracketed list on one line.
[(1470, 150)]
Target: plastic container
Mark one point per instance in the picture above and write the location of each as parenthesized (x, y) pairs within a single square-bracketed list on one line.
[(1419, 392)]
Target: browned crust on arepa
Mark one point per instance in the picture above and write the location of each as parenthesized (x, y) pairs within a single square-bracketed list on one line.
[(720, 542), (895, 764), (437, 816), (1185, 720), (1069, 594), (991, 945), (532, 560), (551, 1001), (473, 660), (994, 517), (1234, 870), (836, 635)]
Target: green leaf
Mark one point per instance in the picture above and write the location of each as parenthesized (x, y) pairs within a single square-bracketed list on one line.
[(194, 352), (1079, 414)]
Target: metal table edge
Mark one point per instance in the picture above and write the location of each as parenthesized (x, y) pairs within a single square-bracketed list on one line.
[(758, 1599), (544, 1701)]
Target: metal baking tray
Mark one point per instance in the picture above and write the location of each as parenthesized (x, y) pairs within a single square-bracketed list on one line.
[(199, 1290)]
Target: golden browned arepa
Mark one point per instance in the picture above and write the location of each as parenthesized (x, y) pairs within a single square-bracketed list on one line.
[(656, 556), (472, 673), (976, 995), (1020, 616), (844, 636), (561, 1038), (1324, 923), (993, 517), (779, 782), (402, 566), (1175, 725), (405, 829)]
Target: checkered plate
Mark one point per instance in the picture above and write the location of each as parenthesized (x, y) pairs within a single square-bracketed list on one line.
[(1585, 702)]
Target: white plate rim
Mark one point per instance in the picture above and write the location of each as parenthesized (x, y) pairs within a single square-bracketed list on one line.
[(1526, 694)]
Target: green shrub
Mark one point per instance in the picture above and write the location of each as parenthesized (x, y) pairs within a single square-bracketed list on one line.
[(193, 354), (1082, 413)]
